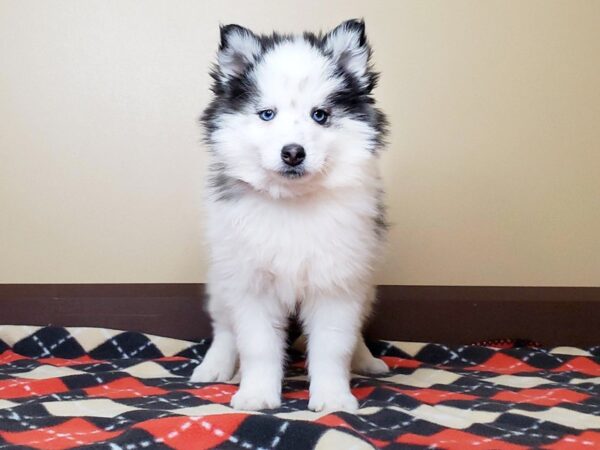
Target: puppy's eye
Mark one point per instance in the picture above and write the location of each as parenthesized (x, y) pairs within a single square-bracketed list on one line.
[(266, 114), (320, 116)]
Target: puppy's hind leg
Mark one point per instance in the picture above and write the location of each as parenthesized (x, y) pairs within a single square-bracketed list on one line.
[(364, 362), (221, 358)]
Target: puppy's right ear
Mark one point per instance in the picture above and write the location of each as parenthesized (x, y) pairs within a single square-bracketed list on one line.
[(238, 49)]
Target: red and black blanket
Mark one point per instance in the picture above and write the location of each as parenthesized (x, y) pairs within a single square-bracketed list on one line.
[(63, 388)]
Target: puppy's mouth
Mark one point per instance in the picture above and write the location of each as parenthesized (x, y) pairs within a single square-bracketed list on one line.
[(292, 173)]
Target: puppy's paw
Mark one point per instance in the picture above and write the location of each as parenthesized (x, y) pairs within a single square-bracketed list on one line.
[(369, 365), (255, 399), (211, 369), (332, 401)]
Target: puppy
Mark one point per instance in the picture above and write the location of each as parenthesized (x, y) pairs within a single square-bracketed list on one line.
[(295, 219)]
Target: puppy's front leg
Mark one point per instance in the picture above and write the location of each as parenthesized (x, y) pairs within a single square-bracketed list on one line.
[(332, 324), (260, 335)]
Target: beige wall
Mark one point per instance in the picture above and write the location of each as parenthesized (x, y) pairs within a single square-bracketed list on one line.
[(493, 172)]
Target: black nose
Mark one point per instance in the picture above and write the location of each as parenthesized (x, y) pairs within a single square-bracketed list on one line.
[(292, 154)]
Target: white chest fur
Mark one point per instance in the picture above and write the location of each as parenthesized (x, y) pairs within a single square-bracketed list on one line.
[(325, 241)]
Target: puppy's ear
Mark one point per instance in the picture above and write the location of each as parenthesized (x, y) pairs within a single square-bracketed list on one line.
[(238, 49), (347, 43)]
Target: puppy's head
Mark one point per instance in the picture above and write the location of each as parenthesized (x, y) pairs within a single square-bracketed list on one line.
[(292, 114)]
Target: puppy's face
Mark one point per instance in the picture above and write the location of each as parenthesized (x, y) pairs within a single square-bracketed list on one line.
[(293, 114)]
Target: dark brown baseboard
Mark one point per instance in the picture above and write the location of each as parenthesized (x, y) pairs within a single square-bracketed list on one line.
[(449, 314)]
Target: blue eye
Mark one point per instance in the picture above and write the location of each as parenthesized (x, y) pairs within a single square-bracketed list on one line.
[(266, 114), (320, 116)]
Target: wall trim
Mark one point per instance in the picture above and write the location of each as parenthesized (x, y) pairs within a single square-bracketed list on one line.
[(449, 314)]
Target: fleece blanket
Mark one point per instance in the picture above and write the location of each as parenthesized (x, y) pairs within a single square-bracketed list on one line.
[(63, 388)]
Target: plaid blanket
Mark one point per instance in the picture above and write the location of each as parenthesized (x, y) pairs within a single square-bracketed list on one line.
[(63, 388)]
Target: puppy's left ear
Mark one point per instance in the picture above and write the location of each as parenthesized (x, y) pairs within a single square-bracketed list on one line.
[(347, 43)]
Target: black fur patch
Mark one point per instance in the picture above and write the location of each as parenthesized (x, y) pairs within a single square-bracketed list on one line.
[(222, 186), (380, 220)]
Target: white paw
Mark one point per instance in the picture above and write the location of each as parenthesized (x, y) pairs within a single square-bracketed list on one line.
[(213, 369), (332, 401), (254, 399), (370, 365)]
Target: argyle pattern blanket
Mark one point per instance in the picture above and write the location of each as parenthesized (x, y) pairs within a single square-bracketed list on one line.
[(63, 388)]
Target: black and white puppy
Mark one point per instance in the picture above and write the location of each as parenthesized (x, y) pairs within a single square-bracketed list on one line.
[(294, 210)]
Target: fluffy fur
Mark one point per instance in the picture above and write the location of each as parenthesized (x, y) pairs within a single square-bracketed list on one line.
[(292, 240)]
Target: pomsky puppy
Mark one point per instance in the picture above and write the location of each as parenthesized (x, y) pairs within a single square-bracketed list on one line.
[(294, 210)]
